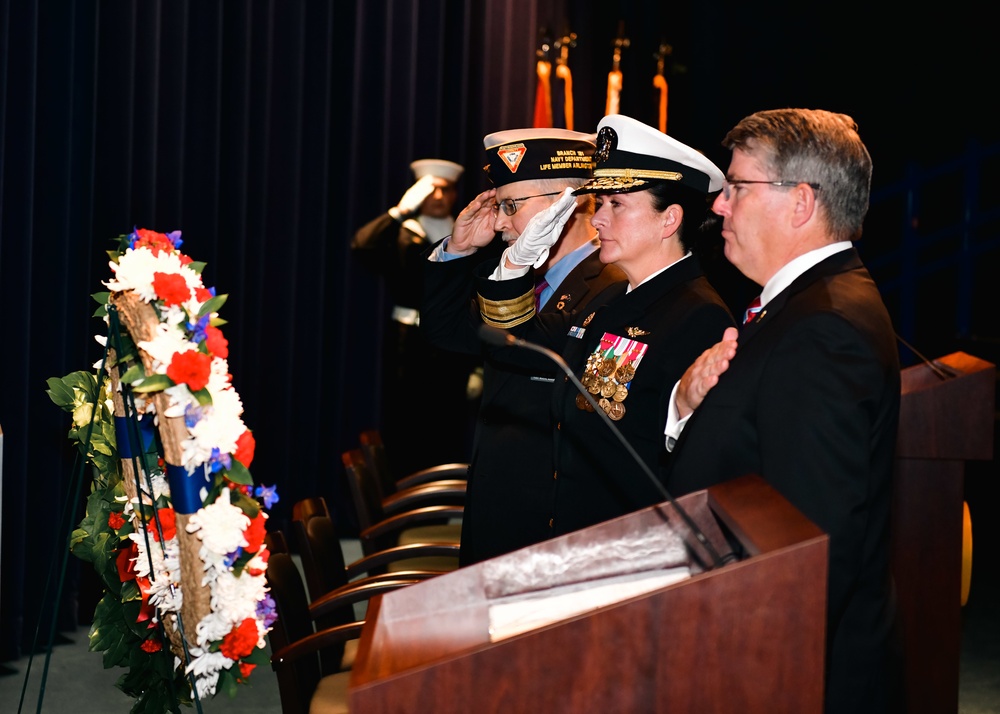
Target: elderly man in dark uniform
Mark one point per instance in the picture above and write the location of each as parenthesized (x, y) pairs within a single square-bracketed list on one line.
[(392, 246), (510, 478)]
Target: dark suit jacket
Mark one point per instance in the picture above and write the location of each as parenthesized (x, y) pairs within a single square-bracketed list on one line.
[(811, 403), (510, 477), (676, 316)]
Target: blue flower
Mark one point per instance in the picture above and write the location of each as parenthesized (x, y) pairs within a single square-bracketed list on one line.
[(268, 610), (198, 329), (232, 557), (220, 460), (192, 415), (269, 494), (175, 238)]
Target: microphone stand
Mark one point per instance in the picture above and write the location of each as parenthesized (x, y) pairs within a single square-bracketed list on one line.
[(496, 336), (939, 370)]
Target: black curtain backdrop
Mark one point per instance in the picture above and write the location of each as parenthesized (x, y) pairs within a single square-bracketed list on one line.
[(268, 131)]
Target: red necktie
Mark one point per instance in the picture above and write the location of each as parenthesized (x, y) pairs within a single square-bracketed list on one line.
[(539, 287), (752, 309)]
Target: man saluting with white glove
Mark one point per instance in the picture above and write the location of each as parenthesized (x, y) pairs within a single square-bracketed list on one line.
[(532, 247)]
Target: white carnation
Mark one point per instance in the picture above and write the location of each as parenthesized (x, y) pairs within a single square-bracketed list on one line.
[(220, 525), (135, 269)]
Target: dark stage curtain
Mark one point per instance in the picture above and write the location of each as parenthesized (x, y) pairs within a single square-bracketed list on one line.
[(267, 132)]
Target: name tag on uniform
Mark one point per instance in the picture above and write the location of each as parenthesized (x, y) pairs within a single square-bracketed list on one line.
[(577, 331)]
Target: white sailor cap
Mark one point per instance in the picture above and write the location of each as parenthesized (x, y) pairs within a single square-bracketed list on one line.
[(439, 168)]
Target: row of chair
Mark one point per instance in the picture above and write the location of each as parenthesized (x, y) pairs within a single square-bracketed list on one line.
[(409, 531)]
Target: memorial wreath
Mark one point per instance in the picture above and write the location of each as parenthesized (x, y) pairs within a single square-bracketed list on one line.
[(174, 525)]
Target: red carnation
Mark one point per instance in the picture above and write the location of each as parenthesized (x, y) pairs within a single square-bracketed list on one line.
[(245, 446), (185, 259), (171, 288), (151, 645), (254, 533), (245, 669), (241, 641), (115, 520), (191, 368), (216, 343), (203, 294), (154, 241)]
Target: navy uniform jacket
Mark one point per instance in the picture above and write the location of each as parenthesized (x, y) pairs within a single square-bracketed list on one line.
[(811, 403), (675, 316), (510, 477), (396, 252)]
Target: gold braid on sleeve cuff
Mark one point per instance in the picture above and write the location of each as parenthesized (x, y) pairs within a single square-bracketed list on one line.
[(507, 313)]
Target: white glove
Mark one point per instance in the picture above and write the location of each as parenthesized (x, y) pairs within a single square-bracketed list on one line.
[(541, 233), (415, 196)]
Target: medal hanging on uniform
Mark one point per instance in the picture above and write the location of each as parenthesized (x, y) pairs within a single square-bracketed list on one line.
[(609, 372)]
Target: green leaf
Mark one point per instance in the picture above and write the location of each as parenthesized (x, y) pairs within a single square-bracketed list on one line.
[(250, 506), (238, 473), (58, 391), (108, 629), (133, 373), (101, 298), (203, 396), (86, 382), (197, 266), (259, 657), (131, 596), (227, 681), (214, 304), (153, 383)]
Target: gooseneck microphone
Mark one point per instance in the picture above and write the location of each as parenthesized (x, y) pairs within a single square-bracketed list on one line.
[(940, 371), (500, 338)]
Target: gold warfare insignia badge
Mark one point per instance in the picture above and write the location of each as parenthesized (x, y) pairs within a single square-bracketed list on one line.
[(587, 320), (511, 155), (635, 332)]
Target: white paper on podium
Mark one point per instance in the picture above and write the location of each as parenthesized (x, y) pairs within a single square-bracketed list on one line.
[(517, 614)]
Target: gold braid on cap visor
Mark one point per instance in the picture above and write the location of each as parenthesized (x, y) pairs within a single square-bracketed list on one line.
[(507, 313), (619, 178)]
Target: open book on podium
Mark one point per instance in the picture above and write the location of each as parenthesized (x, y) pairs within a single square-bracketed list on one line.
[(628, 615)]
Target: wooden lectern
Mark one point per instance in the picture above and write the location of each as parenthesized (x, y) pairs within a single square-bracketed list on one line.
[(946, 419), (747, 636)]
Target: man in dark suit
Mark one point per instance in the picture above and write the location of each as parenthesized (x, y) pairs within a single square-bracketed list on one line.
[(806, 394), (392, 246), (510, 476)]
